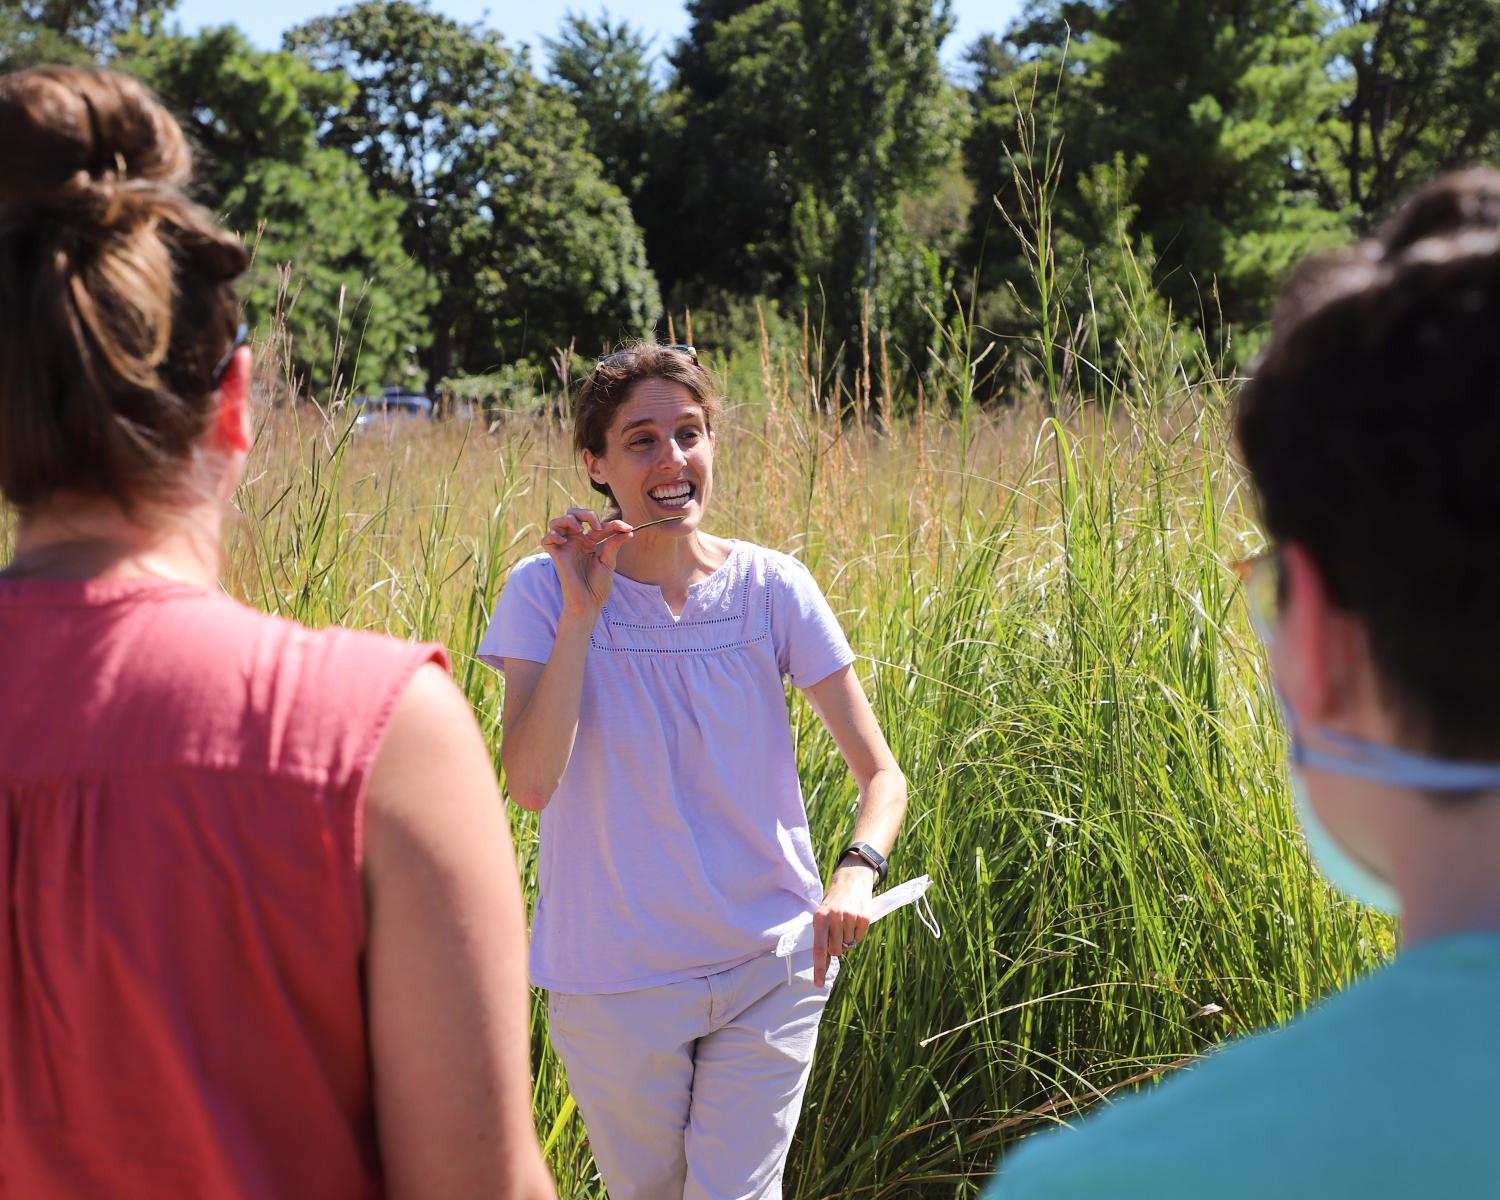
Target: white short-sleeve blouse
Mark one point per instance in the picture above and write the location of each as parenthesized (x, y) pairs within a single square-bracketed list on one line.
[(676, 844)]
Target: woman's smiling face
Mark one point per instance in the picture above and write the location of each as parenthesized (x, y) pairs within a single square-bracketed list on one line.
[(659, 456)]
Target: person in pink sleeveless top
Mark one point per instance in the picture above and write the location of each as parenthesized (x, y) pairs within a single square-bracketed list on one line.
[(264, 935)]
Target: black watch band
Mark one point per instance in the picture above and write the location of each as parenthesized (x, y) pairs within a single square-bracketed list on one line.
[(870, 856)]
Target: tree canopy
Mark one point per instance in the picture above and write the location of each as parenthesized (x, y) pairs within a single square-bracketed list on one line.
[(424, 197), (328, 253), (531, 247), (605, 70)]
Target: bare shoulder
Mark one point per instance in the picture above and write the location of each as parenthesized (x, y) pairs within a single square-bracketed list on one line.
[(432, 738), (431, 710)]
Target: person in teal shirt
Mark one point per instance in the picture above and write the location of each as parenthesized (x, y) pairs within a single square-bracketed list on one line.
[(1371, 430)]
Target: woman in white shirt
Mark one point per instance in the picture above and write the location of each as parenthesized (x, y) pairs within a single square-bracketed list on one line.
[(645, 719)]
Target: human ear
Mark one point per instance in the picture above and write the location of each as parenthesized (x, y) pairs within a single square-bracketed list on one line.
[(594, 465), (1319, 653), (231, 427)]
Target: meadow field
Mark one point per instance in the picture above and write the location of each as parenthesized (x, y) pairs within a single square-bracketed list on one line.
[(1046, 618), (1039, 588)]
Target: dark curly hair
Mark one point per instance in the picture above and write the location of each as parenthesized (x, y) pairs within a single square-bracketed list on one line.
[(1371, 429)]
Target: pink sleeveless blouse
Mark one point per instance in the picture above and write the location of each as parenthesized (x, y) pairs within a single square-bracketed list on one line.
[(181, 787)]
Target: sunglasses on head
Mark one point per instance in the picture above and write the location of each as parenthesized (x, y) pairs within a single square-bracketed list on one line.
[(679, 347), (241, 336)]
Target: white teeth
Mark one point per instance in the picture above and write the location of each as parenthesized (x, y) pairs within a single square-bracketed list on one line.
[(672, 491)]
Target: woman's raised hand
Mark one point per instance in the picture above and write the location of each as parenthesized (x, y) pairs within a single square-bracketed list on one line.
[(584, 550)]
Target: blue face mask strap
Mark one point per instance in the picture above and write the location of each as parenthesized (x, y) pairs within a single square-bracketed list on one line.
[(1399, 768), (1360, 759)]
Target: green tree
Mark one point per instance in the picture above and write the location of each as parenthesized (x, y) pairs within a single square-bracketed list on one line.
[(1425, 97), (24, 43), (881, 122), (605, 71), (805, 128), (329, 257), (717, 207), (1000, 88), (992, 270), (33, 32), (530, 246), (239, 105), (555, 255), (884, 116), (1219, 108)]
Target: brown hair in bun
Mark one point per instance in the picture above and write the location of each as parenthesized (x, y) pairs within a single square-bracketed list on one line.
[(116, 297)]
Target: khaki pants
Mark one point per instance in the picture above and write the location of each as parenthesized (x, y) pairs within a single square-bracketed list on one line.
[(691, 1091)]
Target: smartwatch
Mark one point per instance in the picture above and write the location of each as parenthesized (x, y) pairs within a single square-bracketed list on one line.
[(870, 856)]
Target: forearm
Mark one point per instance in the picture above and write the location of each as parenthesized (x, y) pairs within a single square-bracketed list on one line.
[(539, 740), (882, 808), (844, 916)]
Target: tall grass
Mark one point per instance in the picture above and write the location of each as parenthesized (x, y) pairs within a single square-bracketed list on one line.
[(1059, 656), (1057, 652)]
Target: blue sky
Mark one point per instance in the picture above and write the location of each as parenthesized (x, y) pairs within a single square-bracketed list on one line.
[(529, 20)]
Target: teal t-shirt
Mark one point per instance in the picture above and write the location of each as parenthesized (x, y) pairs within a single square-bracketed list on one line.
[(1390, 1088)]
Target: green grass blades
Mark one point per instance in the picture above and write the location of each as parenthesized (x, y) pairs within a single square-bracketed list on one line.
[(1054, 645), (1061, 660)]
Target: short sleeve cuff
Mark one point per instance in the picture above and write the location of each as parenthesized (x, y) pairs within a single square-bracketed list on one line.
[(838, 658)]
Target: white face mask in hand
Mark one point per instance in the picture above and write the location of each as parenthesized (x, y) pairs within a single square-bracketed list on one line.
[(913, 891)]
